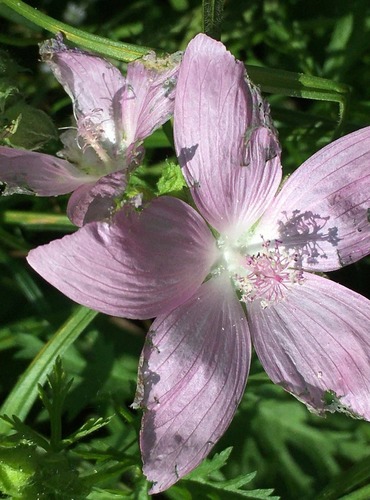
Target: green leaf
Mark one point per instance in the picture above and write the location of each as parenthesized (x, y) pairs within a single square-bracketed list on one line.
[(33, 127), (26, 284), (300, 85), (171, 179), (59, 387), (211, 465), (24, 393), (103, 472), (179, 5), (55, 478), (8, 76), (361, 494), (353, 478), (11, 241), (90, 426), (22, 333), (25, 434), (28, 345), (17, 464), (6, 90), (138, 183), (158, 139), (207, 475), (290, 447)]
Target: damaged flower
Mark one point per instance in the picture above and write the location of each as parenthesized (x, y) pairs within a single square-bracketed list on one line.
[(113, 113), (249, 279)]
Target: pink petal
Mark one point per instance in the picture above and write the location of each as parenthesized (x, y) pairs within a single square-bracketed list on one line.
[(148, 100), (113, 114), (316, 344), (218, 128), (323, 208), (138, 266), (193, 374), (97, 201), (93, 84), (29, 172)]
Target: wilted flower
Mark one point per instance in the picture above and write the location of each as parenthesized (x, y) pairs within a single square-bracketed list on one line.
[(248, 279), (114, 115)]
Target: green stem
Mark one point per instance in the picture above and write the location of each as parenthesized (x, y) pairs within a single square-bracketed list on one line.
[(117, 50), (212, 17), (24, 393), (300, 85), (38, 221)]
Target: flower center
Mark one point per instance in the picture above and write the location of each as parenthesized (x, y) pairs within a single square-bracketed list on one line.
[(92, 137), (262, 271)]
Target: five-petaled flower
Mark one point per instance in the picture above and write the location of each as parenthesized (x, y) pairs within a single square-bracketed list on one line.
[(114, 115), (250, 278)]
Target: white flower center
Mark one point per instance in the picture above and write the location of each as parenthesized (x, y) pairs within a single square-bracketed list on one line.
[(260, 271)]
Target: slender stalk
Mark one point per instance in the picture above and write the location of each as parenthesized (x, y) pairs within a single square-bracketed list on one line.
[(300, 85), (212, 17), (24, 393), (117, 50), (36, 221)]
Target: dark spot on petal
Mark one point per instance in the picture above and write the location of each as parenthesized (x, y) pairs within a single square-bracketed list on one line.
[(179, 439), (187, 154)]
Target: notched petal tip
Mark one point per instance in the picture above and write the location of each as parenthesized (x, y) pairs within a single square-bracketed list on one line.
[(332, 403), (319, 401), (148, 101), (50, 47), (213, 89), (318, 346), (160, 64)]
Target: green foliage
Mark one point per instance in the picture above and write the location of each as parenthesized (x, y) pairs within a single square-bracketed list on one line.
[(31, 128), (21, 125), (23, 395), (353, 485), (289, 446), (8, 74), (171, 181), (208, 483), (32, 466), (139, 184)]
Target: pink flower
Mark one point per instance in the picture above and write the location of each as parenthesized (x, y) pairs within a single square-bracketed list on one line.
[(214, 291), (114, 115)]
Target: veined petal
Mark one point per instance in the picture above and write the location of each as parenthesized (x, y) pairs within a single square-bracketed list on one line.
[(93, 202), (316, 344), (139, 265), (148, 100), (29, 172), (93, 84), (213, 109), (192, 377), (323, 209), (219, 129)]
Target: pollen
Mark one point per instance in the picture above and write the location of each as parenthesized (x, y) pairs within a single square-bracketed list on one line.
[(268, 274)]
